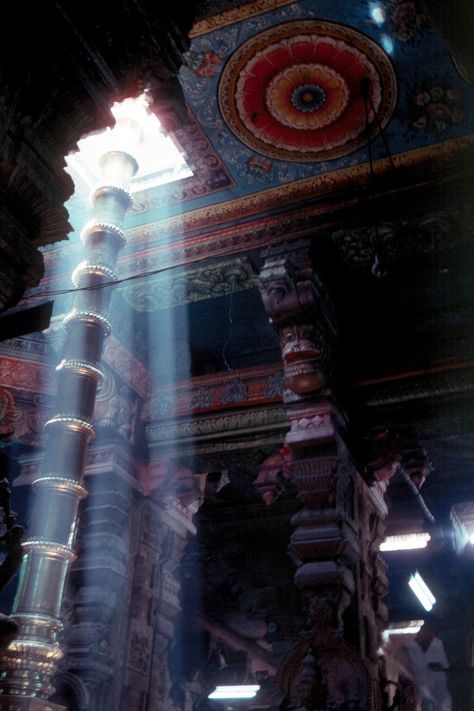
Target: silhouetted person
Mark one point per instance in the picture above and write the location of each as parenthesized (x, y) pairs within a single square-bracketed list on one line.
[(428, 663)]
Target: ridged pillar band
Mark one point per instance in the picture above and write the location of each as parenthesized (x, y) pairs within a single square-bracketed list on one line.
[(96, 269), (31, 660), (89, 316), (82, 369), (94, 229), (59, 483)]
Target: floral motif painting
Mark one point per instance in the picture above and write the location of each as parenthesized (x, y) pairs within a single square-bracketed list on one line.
[(295, 91), (407, 20), (436, 107)]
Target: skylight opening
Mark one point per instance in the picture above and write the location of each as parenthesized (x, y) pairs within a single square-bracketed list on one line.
[(160, 162)]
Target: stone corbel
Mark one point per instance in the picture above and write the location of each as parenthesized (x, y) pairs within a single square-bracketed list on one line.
[(300, 311)]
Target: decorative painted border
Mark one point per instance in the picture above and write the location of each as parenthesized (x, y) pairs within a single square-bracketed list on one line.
[(27, 375), (36, 377), (210, 174), (328, 193), (250, 420), (221, 391), (418, 385), (301, 190), (189, 285), (229, 17)]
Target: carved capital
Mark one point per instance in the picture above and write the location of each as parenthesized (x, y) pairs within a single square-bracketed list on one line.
[(300, 312)]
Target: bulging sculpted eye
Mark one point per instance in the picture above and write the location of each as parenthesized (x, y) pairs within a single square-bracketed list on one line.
[(276, 291)]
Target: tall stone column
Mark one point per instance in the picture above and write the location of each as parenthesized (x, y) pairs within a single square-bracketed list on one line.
[(334, 664), (31, 660)]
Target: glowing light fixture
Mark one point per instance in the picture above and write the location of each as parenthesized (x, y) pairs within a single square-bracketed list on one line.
[(377, 14), (387, 44), (409, 627), (462, 518), (237, 691), (422, 591), (408, 541)]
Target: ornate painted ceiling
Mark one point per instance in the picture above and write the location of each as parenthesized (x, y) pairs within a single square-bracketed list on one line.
[(285, 96), (347, 125)]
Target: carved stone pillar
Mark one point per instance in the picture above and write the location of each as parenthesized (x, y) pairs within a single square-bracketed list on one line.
[(161, 524), (334, 664), (97, 588), (31, 660)]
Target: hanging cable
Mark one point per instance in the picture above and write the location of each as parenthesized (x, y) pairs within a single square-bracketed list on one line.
[(229, 337), (378, 268), (103, 285)]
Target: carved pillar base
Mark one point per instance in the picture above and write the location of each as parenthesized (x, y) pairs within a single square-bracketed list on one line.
[(27, 703)]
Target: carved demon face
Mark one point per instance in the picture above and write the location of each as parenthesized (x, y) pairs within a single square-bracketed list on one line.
[(304, 350)]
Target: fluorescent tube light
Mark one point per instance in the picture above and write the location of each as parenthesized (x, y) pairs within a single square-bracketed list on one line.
[(237, 691), (409, 627), (405, 542), (422, 591)]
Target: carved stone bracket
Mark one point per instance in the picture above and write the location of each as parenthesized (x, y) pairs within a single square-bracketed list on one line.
[(300, 312)]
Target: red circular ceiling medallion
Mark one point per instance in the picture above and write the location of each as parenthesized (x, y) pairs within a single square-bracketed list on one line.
[(293, 92)]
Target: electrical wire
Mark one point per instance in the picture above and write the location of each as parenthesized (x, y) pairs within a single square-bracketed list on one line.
[(105, 284), (229, 337), (378, 269), (382, 133)]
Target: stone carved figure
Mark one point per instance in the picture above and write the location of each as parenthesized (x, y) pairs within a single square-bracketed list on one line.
[(382, 455), (288, 287), (116, 409), (7, 414), (322, 678), (305, 350), (311, 687), (12, 533), (274, 476)]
